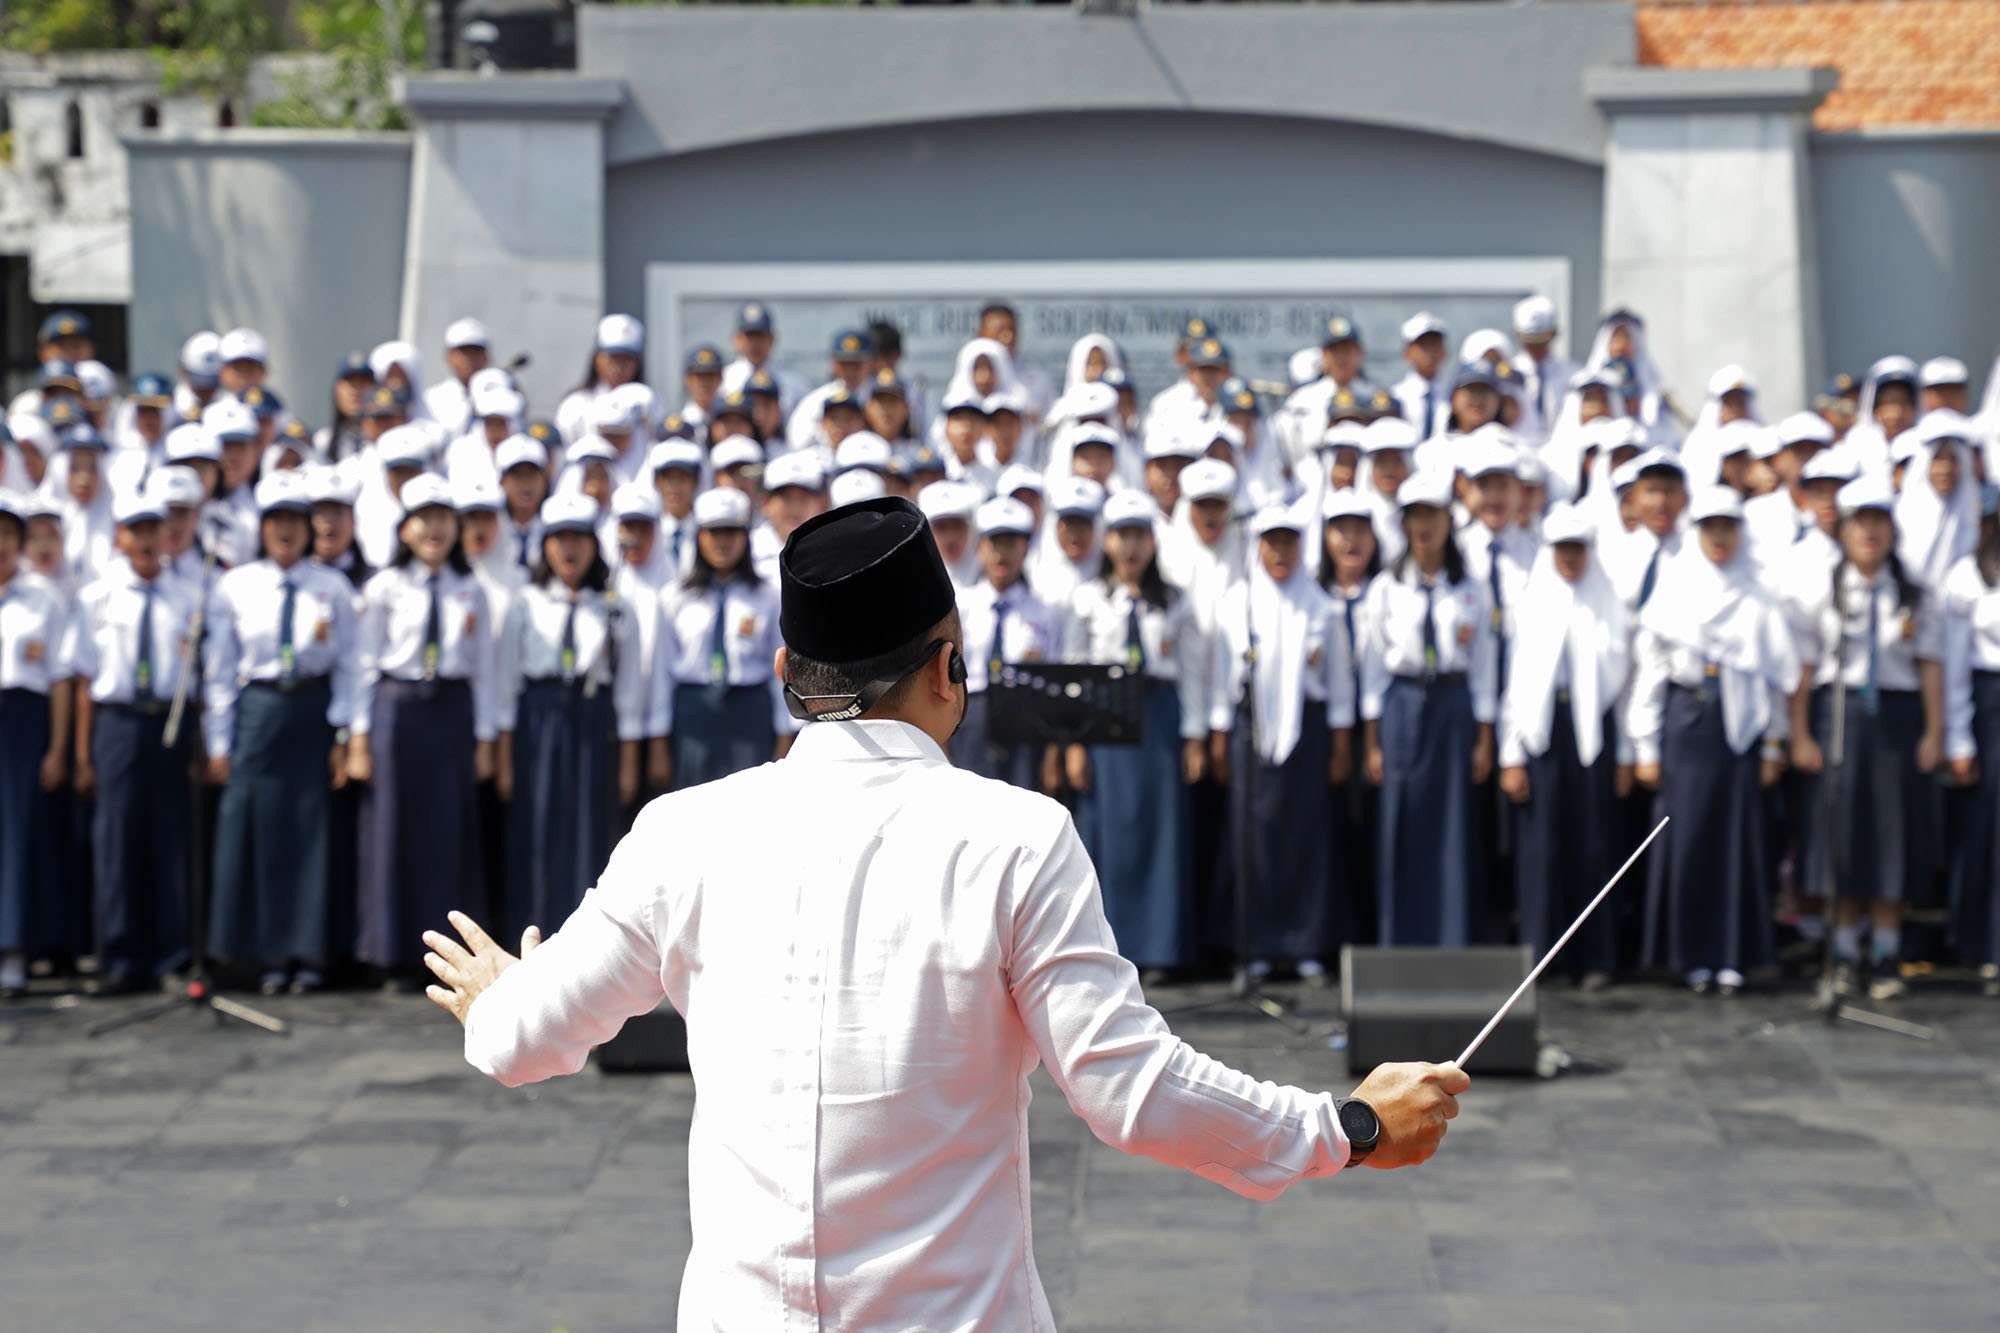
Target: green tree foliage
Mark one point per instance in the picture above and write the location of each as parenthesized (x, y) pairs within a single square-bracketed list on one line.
[(209, 46)]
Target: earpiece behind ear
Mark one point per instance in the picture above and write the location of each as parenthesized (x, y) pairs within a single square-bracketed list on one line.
[(956, 667)]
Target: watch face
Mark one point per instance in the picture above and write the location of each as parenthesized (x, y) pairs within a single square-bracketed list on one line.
[(1358, 1122)]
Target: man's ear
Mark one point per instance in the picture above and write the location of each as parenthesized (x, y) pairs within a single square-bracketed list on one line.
[(778, 662)]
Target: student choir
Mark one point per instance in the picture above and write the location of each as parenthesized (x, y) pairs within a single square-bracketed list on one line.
[(1419, 664)]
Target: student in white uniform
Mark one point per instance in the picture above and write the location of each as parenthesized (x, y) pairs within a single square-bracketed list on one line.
[(1565, 762), (642, 569), (1281, 692), (423, 729), (231, 519), (571, 707), (402, 454), (496, 413), (1423, 395), (1387, 447), (1180, 409), (280, 671), (1874, 834), (1714, 665), (89, 534), (1547, 372), (728, 711), (1428, 701), (1937, 511), (1257, 454), (1349, 561), (614, 360), (1306, 413), (949, 508), (677, 471), (125, 647), (1774, 522), (1132, 800), (35, 702), (848, 360), (466, 352), (1005, 624), (1971, 597), (622, 418), (1068, 550), (794, 488), (754, 339), (524, 481)]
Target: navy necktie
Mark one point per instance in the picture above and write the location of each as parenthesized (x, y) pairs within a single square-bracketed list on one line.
[(1871, 692), (718, 643), (142, 665), (567, 653), (1652, 576), (1430, 633), (1135, 644), (1499, 608), (287, 656), (433, 633)]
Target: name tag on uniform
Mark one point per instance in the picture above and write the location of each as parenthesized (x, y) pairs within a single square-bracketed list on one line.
[(471, 623), (1464, 635), (746, 628), (32, 651), (1909, 627), (322, 631), (1314, 656)]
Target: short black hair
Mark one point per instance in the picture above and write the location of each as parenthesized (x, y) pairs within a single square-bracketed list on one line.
[(835, 682), (998, 308), (888, 339)]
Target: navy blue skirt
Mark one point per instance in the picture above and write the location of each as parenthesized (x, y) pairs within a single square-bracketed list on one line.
[(139, 842), (271, 832), (1887, 815), (565, 784), (1975, 868), (1564, 847), (1134, 823), (34, 893), (1430, 885), (973, 750), (719, 730), (419, 820), (1708, 888), (1277, 813)]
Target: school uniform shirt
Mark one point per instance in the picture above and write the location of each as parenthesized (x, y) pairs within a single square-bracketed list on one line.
[(1971, 643), (1636, 561), (1029, 629), (1425, 404), (1306, 412), (1398, 606), (1500, 563), (521, 541), (395, 616), (230, 525), (1574, 637), (1105, 623), (865, 998), (127, 636), (248, 642), (1174, 410), (1712, 627), (128, 467), (1302, 655), (90, 538), (1547, 382), (765, 548), (469, 458), (573, 413), (587, 638), (746, 638), (1869, 634), (802, 422), (1772, 525), (450, 404), (1389, 538), (34, 622), (676, 541), (1054, 576)]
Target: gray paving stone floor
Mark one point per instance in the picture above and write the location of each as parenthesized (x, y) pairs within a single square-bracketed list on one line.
[(357, 1175)]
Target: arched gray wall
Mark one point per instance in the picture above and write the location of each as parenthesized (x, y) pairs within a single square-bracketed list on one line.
[(1140, 185), (1909, 237)]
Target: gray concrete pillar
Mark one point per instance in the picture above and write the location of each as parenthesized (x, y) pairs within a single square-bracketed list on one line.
[(507, 218), (1708, 222)]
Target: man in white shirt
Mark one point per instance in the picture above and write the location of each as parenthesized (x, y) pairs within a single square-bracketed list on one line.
[(848, 361), (868, 994), (755, 337), (1424, 394), (1546, 373)]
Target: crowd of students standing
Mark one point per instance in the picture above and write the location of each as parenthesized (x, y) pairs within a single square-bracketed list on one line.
[(1422, 662)]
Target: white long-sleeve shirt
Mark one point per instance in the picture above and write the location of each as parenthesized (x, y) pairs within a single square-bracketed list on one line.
[(245, 640), (1099, 627), (865, 999), (395, 623)]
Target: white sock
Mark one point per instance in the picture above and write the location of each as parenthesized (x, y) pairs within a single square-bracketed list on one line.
[(1887, 945), (1812, 929), (1847, 942), (13, 969)]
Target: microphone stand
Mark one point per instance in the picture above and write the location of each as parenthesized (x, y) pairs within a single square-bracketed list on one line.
[(199, 993)]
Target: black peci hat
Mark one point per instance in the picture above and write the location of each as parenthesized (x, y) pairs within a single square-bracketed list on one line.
[(861, 581)]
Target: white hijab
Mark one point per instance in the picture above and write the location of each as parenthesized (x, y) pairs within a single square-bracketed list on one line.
[(1282, 616), (1596, 637), (1934, 531), (1005, 378), (1865, 438), (1719, 613), (1652, 385), (399, 353), (1079, 355)]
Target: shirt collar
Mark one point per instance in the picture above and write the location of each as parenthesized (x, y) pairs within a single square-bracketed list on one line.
[(868, 739)]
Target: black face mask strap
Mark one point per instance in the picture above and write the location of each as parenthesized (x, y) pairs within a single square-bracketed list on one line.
[(870, 694)]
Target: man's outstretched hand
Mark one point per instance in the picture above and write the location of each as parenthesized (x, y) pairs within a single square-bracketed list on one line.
[(468, 969), (1413, 1102)]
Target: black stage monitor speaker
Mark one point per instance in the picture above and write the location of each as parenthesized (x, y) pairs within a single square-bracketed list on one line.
[(1426, 1004), (655, 1043)]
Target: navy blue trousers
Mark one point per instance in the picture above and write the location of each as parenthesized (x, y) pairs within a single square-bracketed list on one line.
[(139, 837), (1430, 883), (272, 829), (419, 819), (565, 787)]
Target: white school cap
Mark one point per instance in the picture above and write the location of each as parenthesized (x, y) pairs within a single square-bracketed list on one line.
[(242, 344), (800, 468), (1866, 492), (1715, 502), (675, 453), (621, 333), (191, 440), (1002, 515), (571, 511), (465, 333), (472, 494), (1430, 486), (1076, 497), (1535, 317), (404, 446), (854, 486), (426, 491), (722, 507), (516, 450), (1129, 509), (736, 451), (1935, 374), (134, 507), (1422, 324), (1565, 522), (1209, 479), (949, 499)]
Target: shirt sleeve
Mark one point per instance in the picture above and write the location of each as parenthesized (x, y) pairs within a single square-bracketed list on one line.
[(660, 689), (1374, 658), (371, 631), (1221, 670), (1957, 634), (1141, 1089), (507, 665), (485, 671), (631, 683), (1339, 674), (1485, 673), (346, 672), (219, 674), (547, 1012), (80, 642), (1191, 658), (1644, 711)]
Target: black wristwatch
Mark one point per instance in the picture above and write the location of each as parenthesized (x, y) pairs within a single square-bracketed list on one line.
[(1361, 1125)]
